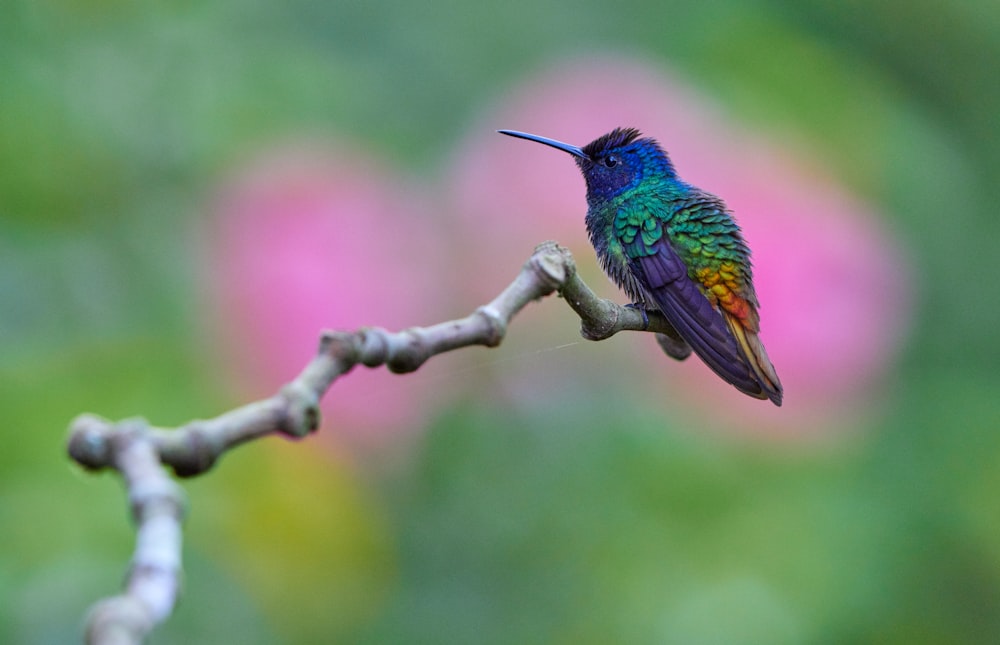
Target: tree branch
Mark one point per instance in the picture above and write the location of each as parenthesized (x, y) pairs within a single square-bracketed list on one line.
[(140, 451)]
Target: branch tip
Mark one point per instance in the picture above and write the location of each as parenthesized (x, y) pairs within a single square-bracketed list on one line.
[(550, 263), (89, 442)]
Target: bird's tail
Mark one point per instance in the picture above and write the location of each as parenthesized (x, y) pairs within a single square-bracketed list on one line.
[(756, 357)]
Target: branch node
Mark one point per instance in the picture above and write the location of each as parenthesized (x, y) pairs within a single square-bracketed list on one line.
[(496, 324), (408, 355), (154, 496), (603, 327), (374, 346), (199, 454), (342, 346), (300, 415)]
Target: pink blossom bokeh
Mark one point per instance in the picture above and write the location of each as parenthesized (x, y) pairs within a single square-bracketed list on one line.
[(321, 236), (831, 279)]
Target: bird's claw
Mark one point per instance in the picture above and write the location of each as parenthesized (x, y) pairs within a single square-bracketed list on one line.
[(642, 309)]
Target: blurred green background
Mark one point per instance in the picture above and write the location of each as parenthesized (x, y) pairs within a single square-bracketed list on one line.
[(598, 520)]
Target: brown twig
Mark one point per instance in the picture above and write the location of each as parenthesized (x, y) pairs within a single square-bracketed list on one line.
[(140, 452)]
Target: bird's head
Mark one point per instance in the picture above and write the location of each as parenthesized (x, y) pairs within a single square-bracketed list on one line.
[(617, 162)]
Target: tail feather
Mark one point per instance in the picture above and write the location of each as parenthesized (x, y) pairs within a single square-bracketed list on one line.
[(756, 358)]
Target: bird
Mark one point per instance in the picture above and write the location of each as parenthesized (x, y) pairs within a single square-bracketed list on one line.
[(676, 249)]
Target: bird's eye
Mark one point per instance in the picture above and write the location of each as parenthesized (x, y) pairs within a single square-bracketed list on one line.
[(611, 161)]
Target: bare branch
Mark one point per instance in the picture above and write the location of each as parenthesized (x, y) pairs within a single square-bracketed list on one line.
[(140, 451), (157, 507)]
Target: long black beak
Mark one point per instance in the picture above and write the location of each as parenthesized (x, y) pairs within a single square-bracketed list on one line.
[(559, 145)]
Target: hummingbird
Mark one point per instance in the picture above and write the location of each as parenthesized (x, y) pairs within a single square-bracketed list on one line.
[(676, 249)]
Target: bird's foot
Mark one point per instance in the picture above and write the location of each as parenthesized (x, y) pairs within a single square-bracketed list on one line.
[(641, 306)]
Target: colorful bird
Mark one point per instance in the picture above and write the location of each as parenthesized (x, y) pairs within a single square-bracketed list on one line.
[(674, 248)]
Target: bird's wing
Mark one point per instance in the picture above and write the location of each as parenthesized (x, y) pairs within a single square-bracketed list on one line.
[(664, 276)]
